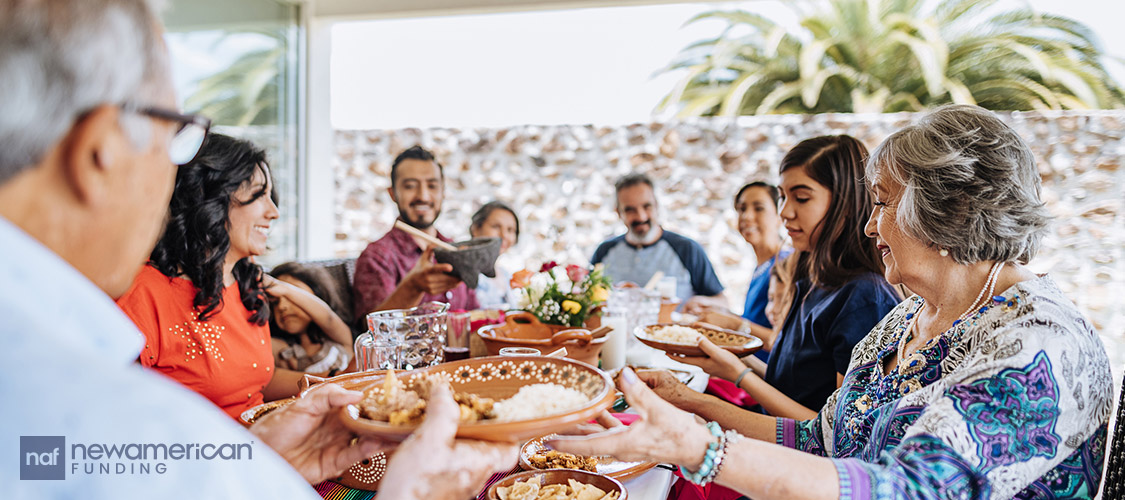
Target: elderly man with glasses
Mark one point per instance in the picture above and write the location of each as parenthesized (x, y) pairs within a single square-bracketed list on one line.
[(89, 144)]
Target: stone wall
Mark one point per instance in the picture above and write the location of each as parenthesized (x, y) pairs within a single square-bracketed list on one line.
[(560, 179)]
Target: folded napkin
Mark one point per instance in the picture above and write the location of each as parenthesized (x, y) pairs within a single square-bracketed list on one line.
[(729, 392)]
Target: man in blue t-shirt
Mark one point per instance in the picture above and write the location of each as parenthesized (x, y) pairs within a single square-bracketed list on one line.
[(646, 248)]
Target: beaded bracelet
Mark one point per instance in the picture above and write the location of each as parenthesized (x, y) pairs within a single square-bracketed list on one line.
[(711, 457)]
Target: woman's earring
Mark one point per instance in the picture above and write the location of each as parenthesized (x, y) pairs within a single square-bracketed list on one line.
[(943, 252)]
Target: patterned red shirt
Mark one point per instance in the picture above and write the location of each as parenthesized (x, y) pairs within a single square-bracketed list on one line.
[(383, 265), (227, 359)]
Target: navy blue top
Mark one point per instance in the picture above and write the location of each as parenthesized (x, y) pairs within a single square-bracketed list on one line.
[(673, 254), (817, 339), (754, 309)]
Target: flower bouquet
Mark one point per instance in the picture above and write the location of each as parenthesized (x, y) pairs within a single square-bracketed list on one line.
[(561, 296)]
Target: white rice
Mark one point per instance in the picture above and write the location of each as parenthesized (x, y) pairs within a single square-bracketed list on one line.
[(538, 400), (676, 334)]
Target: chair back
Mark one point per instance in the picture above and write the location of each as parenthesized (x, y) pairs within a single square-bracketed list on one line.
[(1113, 483)]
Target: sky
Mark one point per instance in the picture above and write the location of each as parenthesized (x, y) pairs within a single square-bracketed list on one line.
[(557, 67)]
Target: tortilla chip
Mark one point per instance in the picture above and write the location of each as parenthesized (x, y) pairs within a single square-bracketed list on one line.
[(554, 492)]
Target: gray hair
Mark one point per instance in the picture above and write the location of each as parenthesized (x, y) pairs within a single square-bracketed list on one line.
[(60, 59), (969, 185)]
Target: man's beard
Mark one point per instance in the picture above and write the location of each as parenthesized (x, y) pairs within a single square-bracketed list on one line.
[(418, 223), (646, 238)]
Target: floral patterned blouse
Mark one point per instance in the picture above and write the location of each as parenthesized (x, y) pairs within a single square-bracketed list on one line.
[(1011, 402)]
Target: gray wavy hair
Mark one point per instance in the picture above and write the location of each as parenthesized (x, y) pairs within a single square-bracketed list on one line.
[(969, 185), (59, 59)]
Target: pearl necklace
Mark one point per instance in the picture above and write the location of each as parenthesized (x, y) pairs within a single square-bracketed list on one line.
[(986, 291)]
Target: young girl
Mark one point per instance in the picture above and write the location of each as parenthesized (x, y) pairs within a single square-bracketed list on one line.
[(307, 335)]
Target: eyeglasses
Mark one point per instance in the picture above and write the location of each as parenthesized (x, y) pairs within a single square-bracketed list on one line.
[(189, 137)]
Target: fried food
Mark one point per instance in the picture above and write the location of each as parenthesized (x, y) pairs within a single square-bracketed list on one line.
[(532, 489), (552, 459), (393, 403)]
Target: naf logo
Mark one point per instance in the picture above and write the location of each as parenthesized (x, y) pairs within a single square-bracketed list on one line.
[(42, 457)]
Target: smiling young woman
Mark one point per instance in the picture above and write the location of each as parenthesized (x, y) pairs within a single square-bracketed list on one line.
[(201, 302)]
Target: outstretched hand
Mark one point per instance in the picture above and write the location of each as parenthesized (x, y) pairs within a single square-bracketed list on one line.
[(662, 433), (308, 435)]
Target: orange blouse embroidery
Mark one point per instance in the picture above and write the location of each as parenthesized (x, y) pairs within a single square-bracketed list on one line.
[(226, 359)]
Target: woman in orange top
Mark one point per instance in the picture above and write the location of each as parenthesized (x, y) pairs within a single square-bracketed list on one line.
[(200, 302)]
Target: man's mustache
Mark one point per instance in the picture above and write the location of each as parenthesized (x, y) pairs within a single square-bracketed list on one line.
[(637, 224)]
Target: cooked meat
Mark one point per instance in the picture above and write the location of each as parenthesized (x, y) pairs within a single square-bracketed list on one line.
[(551, 459), (393, 403)]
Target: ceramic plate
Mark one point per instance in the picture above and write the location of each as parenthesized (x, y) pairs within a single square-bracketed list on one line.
[(252, 415), (607, 466), (740, 344), (560, 476), (497, 378)]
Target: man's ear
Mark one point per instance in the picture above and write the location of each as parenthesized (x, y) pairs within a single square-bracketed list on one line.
[(93, 149), (391, 193)]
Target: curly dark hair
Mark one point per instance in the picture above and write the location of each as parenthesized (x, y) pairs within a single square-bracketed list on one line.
[(196, 238), (320, 282), (842, 251)]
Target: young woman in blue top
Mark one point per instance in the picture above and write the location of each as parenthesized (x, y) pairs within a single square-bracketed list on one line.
[(759, 224), (840, 290)]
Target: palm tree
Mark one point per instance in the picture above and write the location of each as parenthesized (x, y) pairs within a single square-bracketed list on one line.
[(246, 92), (893, 55)]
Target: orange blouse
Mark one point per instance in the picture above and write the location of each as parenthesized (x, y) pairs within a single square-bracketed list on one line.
[(227, 359)]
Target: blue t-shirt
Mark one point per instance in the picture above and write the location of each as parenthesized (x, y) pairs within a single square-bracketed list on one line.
[(757, 295), (673, 254), (819, 334)]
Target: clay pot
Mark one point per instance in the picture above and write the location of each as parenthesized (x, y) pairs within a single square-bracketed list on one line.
[(523, 329), (560, 476)]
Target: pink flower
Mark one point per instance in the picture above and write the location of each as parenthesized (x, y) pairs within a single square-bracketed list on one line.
[(548, 266), (576, 273)]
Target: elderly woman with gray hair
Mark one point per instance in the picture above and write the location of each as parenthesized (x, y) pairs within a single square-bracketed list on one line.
[(986, 384)]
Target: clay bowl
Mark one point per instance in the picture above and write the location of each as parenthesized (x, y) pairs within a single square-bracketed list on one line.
[(560, 476), (471, 259), (667, 307), (607, 466), (523, 329), (248, 417), (740, 344), (497, 378)]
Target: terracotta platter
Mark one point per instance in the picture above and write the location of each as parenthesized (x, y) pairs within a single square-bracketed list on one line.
[(560, 476), (364, 475), (607, 466), (497, 378), (740, 344)]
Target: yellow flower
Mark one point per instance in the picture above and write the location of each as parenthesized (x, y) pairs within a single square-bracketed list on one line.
[(571, 306), (599, 294)]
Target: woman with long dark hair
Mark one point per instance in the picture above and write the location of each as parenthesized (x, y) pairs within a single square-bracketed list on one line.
[(840, 291), (201, 302), (759, 223)]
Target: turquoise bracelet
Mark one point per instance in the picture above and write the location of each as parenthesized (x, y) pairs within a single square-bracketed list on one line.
[(704, 474)]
